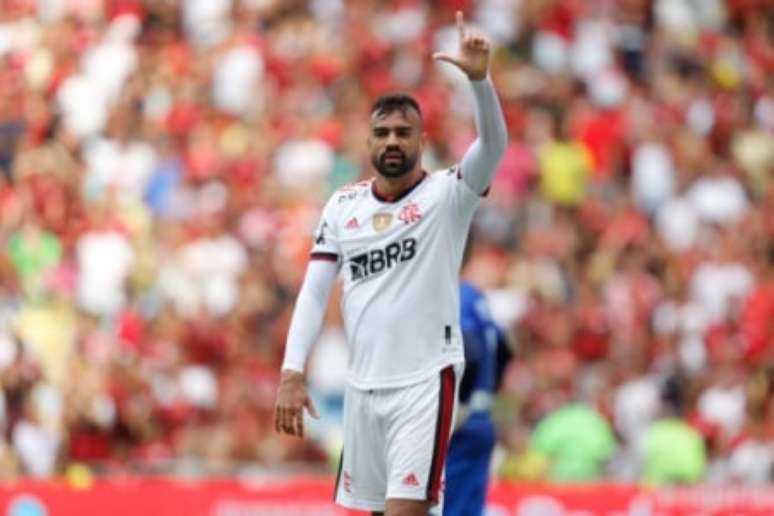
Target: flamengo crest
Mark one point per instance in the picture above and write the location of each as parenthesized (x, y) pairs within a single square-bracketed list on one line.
[(410, 213)]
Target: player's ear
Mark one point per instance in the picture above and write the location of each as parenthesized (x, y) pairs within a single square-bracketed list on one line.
[(424, 139)]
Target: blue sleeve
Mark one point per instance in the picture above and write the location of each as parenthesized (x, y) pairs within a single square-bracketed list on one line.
[(474, 347)]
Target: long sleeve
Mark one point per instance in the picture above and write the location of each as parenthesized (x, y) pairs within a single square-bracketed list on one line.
[(481, 159), (309, 312)]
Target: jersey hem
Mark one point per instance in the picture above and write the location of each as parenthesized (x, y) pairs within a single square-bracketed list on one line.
[(359, 504), (404, 381), (409, 494)]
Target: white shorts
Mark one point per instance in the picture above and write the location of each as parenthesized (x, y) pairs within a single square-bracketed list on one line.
[(395, 442)]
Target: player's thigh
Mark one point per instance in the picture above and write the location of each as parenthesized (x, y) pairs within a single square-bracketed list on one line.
[(417, 438), (361, 482)]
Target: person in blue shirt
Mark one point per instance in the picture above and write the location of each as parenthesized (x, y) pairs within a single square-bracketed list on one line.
[(486, 355)]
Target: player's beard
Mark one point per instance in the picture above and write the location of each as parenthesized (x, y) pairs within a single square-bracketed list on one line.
[(395, 168)]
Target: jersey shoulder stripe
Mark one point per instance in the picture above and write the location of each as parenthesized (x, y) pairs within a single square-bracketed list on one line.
[(365, 183), (350, 192)]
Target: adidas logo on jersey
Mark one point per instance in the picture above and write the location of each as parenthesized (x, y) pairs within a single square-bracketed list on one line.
[(410, 480), (352, 223)]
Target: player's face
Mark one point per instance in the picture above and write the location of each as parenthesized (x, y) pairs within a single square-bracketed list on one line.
[(395, 142)]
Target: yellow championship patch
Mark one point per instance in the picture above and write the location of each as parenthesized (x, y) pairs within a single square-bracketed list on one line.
[(382, 221)]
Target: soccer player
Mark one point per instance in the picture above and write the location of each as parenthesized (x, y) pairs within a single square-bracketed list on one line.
[(472, 443), (396, 242)]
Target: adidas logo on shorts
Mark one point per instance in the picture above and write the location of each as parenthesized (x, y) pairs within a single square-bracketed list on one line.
[(410, 480)]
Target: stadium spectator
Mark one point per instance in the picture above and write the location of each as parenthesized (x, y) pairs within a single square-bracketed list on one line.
[(624, 242)]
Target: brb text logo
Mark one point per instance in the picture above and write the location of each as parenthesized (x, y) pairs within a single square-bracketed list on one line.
[(375, 261)]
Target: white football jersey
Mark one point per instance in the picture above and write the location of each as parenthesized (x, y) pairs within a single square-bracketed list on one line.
[(399, 263)]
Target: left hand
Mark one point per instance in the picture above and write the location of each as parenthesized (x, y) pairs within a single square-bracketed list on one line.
[(473, 55), (292, 399)]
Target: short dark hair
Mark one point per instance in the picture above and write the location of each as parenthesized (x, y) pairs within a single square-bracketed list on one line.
[(387, 104)]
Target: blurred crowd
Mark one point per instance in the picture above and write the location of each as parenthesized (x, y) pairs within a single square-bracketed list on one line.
[(163, 164)]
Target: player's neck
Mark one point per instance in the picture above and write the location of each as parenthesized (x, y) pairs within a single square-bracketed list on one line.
[(390, 188)]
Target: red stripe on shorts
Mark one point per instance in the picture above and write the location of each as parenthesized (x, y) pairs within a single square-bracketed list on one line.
[(442, 433)]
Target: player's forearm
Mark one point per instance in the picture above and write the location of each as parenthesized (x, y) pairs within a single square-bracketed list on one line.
[(309, 313), (482, 158)]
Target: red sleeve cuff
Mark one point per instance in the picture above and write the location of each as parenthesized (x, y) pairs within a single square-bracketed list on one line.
[(331, 257)]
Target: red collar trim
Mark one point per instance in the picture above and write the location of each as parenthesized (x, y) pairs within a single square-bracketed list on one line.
[(398, 197)]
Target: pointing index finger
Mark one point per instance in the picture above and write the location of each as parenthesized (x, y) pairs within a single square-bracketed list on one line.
[(461, 25)]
